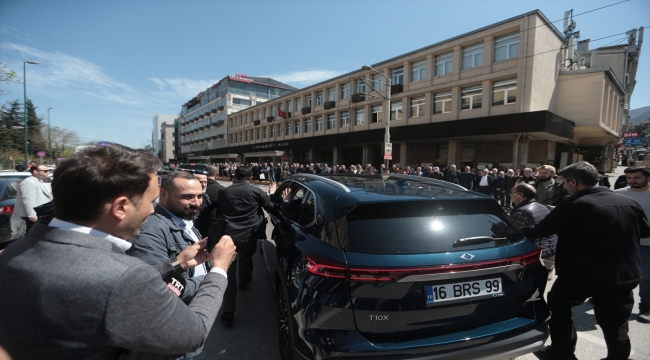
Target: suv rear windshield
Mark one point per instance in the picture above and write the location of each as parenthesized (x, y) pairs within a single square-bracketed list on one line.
[(428, 227)]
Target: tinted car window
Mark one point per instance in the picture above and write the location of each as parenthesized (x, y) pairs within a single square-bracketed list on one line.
[(427, 227)]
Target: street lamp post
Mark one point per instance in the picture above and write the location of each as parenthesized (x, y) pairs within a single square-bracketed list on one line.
[(25, 108), (49, 135), (388, 110)]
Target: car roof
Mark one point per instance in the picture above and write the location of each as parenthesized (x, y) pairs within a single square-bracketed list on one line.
[(393, 187), (15, 174)]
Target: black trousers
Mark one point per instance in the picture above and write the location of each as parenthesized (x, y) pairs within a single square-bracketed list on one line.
[(28, 224), (244, 261), (612, 308)]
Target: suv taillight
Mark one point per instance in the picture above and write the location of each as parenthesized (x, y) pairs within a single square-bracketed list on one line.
[(336, 271), (6, 210)]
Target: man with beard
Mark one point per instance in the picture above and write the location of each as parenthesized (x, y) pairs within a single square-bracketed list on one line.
[(169, 230), (549, 190), (639, 190)]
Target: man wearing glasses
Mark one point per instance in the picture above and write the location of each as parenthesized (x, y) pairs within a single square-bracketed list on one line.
[(32, 192)]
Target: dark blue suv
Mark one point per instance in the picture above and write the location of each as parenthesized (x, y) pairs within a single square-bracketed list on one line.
[(401, 267)]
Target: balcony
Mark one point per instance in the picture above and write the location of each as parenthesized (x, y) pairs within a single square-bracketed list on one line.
[(213, 111), (396, 89), (306, 110), (207, 113), (358, 97), (201, 116), (329, 104)]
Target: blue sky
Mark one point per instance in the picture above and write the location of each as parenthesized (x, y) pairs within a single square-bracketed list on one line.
[(107, 67)]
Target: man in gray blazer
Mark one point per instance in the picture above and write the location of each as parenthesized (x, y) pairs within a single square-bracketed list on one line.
[(70, 292), (32, 192)]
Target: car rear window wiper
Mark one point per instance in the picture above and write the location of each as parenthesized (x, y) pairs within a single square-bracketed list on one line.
[(476, 240)]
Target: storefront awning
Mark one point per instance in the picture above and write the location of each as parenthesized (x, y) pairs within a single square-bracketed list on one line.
[(264, 153)]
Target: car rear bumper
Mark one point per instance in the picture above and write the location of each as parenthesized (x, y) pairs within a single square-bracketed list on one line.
[(503, 346)]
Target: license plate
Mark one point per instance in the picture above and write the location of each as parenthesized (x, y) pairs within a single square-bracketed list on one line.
[(464, 290)]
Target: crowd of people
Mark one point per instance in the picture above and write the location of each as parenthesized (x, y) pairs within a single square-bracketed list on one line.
[(126, 269)]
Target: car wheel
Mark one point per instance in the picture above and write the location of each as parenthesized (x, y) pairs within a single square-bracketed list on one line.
[(285, 326)]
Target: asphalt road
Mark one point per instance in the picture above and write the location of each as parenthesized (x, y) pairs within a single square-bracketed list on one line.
[(254, 334)]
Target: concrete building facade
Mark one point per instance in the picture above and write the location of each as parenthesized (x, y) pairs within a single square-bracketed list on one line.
[(158, 120), (503, 95)]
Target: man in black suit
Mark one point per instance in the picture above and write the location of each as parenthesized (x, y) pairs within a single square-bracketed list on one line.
[(452, 175), (212, 190), (467, 179), (484, 183), (242, 204)]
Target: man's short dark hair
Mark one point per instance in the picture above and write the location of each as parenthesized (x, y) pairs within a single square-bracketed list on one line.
[(167, 181), (212, 170), (526, 190), (583, 172), (638, 168), (97, 175), (33, 169), (243, 173)]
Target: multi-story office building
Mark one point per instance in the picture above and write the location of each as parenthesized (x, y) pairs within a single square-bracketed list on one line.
[(168, 141), (158, 120), (202, 121), (503, 95)]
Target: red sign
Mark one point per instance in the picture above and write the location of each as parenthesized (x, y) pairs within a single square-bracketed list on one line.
[(631, 134), (388, 157)]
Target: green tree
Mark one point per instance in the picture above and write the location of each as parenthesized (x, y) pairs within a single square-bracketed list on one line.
[(34, 127), (12, 136), (643, 128), (7, 76), (64, 142)]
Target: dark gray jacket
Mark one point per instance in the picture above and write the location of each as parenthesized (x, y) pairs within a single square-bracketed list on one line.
[(68, 295), (162, 239), (531, 213)]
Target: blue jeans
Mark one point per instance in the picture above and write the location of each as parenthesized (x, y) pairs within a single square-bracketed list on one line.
[(644, 284)]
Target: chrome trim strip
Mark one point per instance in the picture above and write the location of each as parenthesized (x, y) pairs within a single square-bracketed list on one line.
[(462, 274)]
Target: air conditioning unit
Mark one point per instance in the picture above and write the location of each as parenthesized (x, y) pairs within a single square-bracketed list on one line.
[(329, 104), (358, 97), (214, 110), (220, 122), (270, 119), (256, 122), (396, 89), (306, 110), (220, 107), (207, 113)]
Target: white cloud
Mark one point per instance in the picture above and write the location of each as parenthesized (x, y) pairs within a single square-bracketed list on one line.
[(306, 77), (181, 87)]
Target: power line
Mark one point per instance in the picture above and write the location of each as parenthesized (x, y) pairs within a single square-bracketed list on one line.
[(586, 12)]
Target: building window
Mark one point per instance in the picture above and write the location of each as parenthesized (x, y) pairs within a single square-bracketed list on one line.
[(298, 104), (506, 47), (359, 117), (397, 75), (361, 86), (345, 119), (289, 128), (264, 133), (246, 135), (297, 127), (345, 91), (442, 102), (308, 125), (419, 70), (396, 110), (377, 114), (331, 121), (504, 92), (289, 106), (331, 94), (280, 133), (473, 56), (319, 98), (471, 98), (444, 64), (259, 134), (271, 132), (378, 82), (417, 106), (264, 117), (308, 101), (319, 123)]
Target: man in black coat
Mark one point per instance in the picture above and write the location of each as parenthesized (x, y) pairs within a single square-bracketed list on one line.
[(212, 190), (452, 175), (242, 205), (528, 212), (484, 183), (597, 256), (467, 179)]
